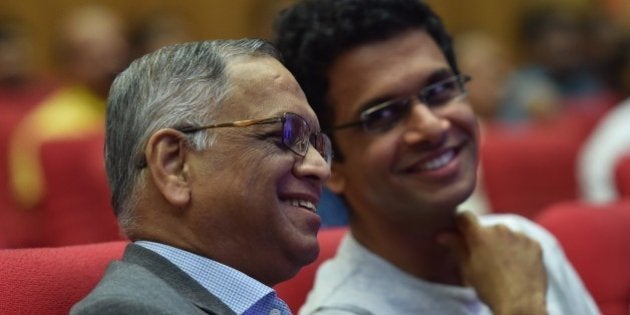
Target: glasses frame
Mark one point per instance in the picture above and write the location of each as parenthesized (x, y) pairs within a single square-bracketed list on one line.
[(460, 79), (327, 156)]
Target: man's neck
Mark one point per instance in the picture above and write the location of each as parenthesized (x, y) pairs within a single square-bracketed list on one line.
[(411, 247)]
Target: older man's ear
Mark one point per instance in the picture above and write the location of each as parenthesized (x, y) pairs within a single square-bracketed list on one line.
[(166, 162)]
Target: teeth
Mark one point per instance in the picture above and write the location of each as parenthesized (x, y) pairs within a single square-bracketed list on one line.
[(304, 204), (438, 162)]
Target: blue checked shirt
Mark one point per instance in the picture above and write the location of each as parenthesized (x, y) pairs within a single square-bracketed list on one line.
[(241, 293)]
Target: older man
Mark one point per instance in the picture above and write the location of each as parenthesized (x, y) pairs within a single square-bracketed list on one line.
[(382, 76), (216, 164)]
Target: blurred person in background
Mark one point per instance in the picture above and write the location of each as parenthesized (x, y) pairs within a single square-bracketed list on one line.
[(602, 40), (555, 71), (610, 140), (488, 63), (21, 88), (91, 48)]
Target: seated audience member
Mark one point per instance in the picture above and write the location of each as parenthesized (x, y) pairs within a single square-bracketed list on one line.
[(486, 60), (382, 77), (91, 47), (555, 71), (216, 164), (21, 88), (610, 140)]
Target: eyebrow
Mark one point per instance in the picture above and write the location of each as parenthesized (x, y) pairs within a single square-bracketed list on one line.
[(436, 76)]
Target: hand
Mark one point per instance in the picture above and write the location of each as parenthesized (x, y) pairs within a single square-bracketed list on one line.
[(504, 267)]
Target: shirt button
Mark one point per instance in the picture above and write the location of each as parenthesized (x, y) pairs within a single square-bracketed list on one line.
[(274, 312)]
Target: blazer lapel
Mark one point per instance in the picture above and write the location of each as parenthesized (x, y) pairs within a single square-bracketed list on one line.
[(176, 278)]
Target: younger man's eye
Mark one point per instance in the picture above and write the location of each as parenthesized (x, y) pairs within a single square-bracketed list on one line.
[(440, 93), (386, 116)]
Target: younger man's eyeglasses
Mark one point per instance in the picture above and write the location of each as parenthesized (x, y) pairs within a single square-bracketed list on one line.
[(384, 116), (296, 133)]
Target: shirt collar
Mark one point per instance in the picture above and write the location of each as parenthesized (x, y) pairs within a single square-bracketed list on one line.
[(237, 290)]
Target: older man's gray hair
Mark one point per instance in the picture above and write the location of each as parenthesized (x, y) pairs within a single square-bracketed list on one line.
[(180, 85)]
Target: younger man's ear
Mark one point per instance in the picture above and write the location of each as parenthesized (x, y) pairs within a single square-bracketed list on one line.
[(337, 181), (166, 161)]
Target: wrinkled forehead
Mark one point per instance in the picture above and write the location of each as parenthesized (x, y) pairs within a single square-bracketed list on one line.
[(263, 87), (262, 71)]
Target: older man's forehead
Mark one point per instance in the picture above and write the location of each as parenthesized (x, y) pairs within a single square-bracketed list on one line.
[(266, 85)]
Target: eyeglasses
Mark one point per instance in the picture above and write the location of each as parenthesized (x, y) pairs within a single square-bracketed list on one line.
[(296, 133), (386, 115)]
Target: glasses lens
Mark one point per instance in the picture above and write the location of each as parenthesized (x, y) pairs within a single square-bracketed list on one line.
[(297, 137), (442, 92), (384, 116), (322, 144), (296, 133)]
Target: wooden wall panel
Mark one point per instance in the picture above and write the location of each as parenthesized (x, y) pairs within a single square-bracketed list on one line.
[(209, 18), (240, 18)]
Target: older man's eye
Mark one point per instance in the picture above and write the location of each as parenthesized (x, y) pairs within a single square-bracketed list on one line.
[(274, 137)]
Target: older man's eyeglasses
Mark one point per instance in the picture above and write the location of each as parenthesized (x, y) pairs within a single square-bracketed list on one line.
[(296, 133), (384, 116)]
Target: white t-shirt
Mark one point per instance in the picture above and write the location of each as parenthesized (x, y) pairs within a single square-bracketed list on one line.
[(356, 281)]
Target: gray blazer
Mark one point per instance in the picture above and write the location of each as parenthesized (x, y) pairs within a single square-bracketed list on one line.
[(147, 283)]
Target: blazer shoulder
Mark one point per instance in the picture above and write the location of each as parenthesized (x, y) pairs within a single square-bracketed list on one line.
[(146, 283)]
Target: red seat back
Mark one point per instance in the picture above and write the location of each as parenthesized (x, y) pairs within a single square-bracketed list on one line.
[(526, 170), (596, 239), (530, 166), (50, 280), (622, 176), (75, 208)]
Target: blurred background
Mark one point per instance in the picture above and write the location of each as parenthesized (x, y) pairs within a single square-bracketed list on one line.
[(545, 74), (240, 18), (551, 86)]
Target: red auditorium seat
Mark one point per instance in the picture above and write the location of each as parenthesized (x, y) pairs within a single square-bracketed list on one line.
[(8, 120), (50, 280), (14, 105), (622, 176), (596, 239), (75, 208), (526, 171), (529, 166)]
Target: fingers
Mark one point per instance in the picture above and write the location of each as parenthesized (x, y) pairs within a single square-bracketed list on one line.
[(504, 266)]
